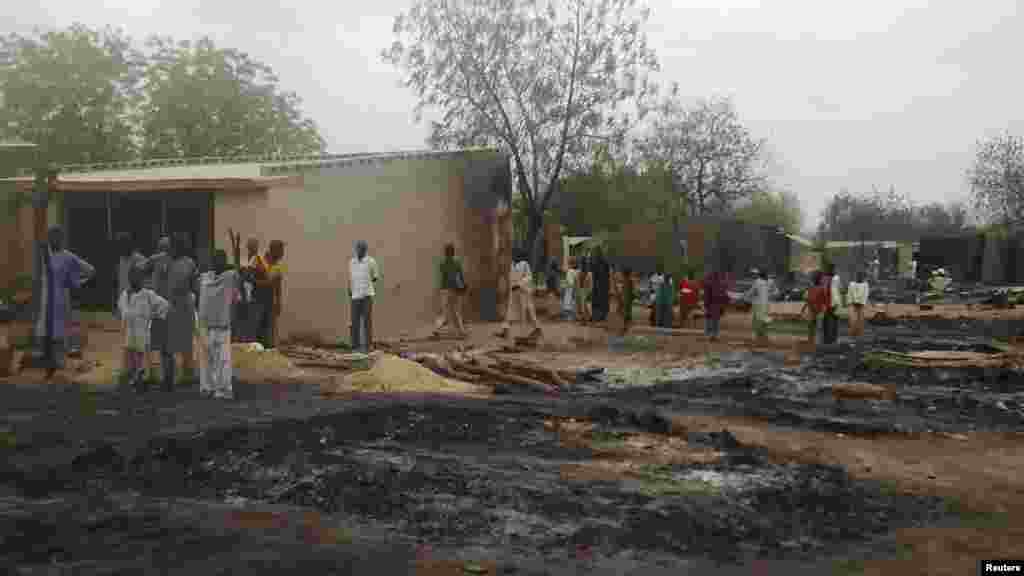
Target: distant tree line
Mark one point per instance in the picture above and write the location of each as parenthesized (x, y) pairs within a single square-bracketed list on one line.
[(996, 178), (87, 96), (887, 215)]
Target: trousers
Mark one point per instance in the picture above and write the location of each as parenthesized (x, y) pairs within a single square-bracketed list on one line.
[(362, 317)]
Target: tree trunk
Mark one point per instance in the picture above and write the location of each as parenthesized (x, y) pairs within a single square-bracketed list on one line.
[(534, 240)]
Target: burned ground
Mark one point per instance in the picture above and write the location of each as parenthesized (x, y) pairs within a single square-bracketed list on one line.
[(606, 476), (463, 473)]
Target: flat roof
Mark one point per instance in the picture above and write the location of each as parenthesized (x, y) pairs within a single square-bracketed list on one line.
[(217, 173), (208, 167)]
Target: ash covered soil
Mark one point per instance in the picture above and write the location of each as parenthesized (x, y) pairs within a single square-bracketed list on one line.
[(602, 482), (453, 473), (924, 399)]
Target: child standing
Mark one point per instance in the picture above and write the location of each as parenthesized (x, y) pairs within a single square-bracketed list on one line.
[(857, 294), (663, 302), (138, 306), (759, 296), (688, 293), (814, 306), (628, 291), (569, 291), (218, 291)]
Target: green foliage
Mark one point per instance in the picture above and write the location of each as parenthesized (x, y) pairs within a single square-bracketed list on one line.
[(201, 100), (770, 208), (90, 96), (659, 481), (70, 91)]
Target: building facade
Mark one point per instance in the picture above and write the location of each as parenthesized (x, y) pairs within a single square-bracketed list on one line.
[(407, 206)]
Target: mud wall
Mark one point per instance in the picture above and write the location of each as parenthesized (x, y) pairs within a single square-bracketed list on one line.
[(552, 242), (406, 209), (17, 232)]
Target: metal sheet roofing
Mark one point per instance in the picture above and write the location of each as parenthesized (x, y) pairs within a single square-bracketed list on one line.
[(238, 166)]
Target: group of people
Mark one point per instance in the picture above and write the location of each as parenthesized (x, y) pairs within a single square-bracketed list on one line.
[(165, 305), (824, 299), (592, 290), (664, 294)]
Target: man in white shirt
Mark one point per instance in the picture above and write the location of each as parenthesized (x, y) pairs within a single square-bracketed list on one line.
[(363, 274), (759, 296), (521, 296), (857, 297)]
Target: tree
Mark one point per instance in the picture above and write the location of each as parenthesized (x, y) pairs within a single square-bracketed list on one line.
[(773, 208), (200, 100), (997, 177), (70, 92), (939, 219), (541, 81), (873, 216), (713, 159)]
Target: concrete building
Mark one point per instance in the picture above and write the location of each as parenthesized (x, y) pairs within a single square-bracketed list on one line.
[(405, 205)]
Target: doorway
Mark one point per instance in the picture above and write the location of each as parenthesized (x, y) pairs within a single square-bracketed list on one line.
[(88, 235)]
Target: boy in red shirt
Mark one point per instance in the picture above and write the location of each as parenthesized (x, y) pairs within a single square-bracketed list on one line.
[(688, 292)]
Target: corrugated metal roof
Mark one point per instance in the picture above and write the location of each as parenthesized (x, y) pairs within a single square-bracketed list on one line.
[(855, 244), (800, 240), (237, 166)]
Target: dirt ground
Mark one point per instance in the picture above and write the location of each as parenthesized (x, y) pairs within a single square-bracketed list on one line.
[(681, 456)]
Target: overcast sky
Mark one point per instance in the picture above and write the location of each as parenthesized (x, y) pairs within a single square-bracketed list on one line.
[(849, 94)]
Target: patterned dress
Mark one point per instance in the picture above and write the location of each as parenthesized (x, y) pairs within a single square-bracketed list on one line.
[(181, 279)]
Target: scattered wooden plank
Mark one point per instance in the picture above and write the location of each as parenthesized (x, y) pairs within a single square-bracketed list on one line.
[(862, 391), (341, 367)]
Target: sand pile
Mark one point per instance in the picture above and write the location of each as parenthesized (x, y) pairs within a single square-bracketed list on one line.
[(94, 374), (390, 373), (251, 363)]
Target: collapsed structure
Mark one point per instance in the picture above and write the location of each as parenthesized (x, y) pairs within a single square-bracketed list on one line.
[(732, 246), (977, 257), (407, 206)]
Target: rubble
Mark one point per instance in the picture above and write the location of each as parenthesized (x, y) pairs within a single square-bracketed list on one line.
[(503, 373)]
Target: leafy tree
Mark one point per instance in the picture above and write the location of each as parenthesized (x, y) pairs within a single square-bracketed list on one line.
[(888, 216), (612, 192), (540, 80), (713, 159), (997, 177), (773, 208), (939, 219), (70, 92), (201, 100)]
